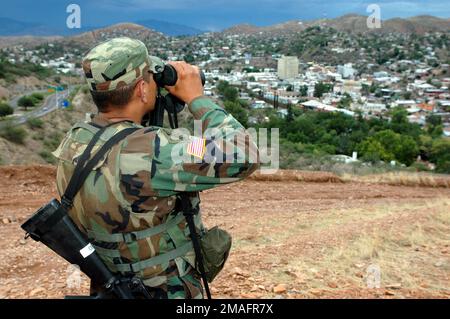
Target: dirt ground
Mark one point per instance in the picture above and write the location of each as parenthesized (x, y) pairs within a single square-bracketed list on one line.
[(292, 239)]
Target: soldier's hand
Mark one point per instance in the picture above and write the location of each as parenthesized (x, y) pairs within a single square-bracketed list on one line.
[(189, 85)]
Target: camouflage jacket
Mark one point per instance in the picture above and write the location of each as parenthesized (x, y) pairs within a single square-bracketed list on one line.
[(135, 187)]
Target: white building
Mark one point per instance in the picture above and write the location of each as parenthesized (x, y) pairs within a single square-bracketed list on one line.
[(288, 67), (258, 104), (346, 71), (374, 107), (405, 103), (316, 105)]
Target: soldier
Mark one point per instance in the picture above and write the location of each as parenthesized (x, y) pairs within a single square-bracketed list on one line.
[(136, 186)]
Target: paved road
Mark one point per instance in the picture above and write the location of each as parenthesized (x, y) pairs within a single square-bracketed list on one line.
[(50, 104)]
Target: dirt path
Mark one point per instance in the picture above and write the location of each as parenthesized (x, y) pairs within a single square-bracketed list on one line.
[(291, 239)]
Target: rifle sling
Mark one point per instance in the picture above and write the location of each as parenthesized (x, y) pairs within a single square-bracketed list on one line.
[(189, 213), (84, 167)]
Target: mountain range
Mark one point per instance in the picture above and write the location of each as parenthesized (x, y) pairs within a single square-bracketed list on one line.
[(348, 23), (11, 27), (351, 23)]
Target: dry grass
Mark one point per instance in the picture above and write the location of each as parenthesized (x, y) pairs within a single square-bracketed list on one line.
[(405, 241), (297, 176), (403, 179), (393, 179), (408, 255)]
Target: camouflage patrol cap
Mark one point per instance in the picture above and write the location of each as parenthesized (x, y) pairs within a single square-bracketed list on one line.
[(117, 63)]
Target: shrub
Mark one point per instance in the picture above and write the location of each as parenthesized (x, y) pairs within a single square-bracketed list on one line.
[(37, 98), (34, 123), (48, 157), (52, 141), (68, 117), (38, 137), (420, 167), (5, 109), (85, 90), (13, 133)]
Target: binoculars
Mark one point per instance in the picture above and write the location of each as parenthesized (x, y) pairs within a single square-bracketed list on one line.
[(169, 76), (166, 103)]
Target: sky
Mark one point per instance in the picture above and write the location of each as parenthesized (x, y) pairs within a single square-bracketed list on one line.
[(211, 15)]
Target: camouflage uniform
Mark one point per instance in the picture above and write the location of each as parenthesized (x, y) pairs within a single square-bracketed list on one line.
[(135, 187)]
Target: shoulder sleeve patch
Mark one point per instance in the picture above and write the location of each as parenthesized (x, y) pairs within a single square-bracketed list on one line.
[(197, 147)]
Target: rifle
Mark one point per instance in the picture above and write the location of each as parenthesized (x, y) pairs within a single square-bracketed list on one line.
[(52, 226)]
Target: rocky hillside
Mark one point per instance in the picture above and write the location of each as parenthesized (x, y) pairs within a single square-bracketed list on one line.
[(89, 38), (117, 30), (27, 41), (41, 141), (350, 23)]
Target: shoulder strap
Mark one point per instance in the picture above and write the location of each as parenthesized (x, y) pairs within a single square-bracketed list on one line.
[(83, 169), (71, 191), (91, 127), (189, 213)]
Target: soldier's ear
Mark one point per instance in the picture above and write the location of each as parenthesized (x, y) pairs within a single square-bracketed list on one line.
[(142, 91)]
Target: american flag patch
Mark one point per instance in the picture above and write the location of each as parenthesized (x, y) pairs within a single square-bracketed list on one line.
[(197, 147)]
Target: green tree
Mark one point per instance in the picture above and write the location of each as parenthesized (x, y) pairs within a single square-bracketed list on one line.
[(400, 123), (404, 148), (399, 116), (222, 86), (434, 125), (321, 88), (388, 145), (231, 94), (5, 109), (304, 90), (290, 114), (26, 102), (189, 58), (365, 89), (345, 102), (407, 95), (238, 112), (407, 150), (440, 155), (373, 151)]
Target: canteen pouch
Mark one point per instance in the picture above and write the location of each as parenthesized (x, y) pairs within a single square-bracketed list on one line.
[(216, 246)]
